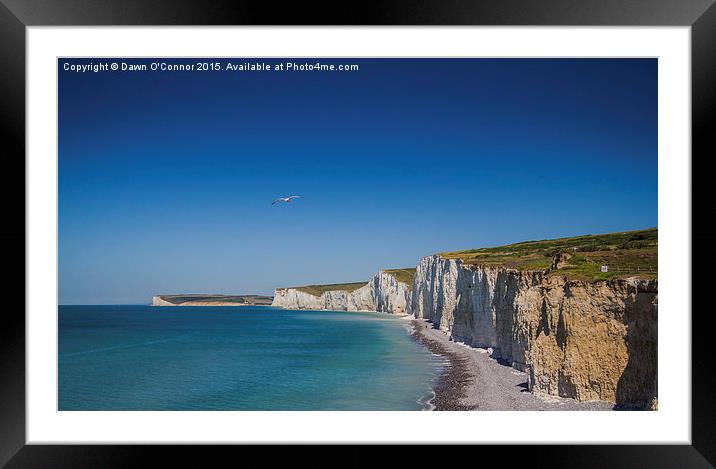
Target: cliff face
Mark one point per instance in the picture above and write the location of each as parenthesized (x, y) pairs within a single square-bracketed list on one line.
[(382, 293), (585, 340), (391, 296), (336, 300)]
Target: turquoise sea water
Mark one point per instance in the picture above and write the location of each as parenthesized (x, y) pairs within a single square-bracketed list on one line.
[(238, 358)]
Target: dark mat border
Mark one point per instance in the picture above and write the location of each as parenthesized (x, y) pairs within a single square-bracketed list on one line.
[(16, 15)]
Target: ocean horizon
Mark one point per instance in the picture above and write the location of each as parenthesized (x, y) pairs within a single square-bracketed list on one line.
[(139, 357)]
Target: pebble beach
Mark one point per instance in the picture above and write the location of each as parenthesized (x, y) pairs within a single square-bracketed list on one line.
[(472, 380)]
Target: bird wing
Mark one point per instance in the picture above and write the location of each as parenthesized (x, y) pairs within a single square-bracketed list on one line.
[(295, 197), (276, 201)]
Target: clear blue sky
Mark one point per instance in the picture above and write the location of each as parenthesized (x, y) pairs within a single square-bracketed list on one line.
[(166, 178)]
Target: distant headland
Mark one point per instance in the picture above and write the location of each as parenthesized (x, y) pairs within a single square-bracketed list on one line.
[(211, 300)]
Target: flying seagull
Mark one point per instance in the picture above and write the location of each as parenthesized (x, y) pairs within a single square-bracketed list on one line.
[(286, 199)]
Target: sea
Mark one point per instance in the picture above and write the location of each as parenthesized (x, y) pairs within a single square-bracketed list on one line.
[(135, 357)]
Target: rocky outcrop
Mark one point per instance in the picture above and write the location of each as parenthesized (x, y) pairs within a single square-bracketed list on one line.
[(579, 339), (383, 293)]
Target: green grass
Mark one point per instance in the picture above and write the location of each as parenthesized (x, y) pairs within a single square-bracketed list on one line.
[(318, 290), (628, 254), (403, 275)]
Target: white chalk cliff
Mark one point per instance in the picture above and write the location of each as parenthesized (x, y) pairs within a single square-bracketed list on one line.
[(383, 293)]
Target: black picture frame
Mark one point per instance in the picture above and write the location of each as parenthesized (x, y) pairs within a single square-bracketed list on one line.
[(16, 15)]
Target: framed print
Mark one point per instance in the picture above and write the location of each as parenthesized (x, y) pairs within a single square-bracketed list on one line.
[(404, 224)]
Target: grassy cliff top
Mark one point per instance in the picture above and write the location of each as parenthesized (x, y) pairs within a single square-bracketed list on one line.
[(627, 254), (318, 290), (403, 276)]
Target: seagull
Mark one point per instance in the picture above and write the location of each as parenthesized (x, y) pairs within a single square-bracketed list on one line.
[(286, 199)]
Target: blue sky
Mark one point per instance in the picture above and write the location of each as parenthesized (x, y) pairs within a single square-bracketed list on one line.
[(166, 178)]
